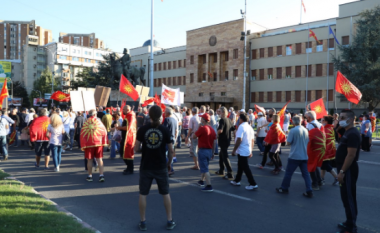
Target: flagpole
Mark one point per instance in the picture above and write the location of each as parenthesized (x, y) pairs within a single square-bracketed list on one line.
[(336, 109), (349, 103), (151, 50), (328, 66), (301, 14), (245, 54), (307, 62)]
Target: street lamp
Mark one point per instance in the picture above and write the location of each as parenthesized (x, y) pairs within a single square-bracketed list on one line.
[(244, 36), (52, 63)]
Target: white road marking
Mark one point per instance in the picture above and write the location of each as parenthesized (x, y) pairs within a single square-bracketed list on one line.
[(217, 191), (368, 162), (269, 168)]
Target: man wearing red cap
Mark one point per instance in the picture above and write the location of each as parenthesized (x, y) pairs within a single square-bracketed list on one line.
[(206, 136)]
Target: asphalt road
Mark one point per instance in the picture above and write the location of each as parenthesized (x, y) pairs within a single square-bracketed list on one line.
[(113, 206)]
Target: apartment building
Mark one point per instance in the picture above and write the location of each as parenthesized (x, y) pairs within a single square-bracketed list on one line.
[(13, 35), (85, 40), (288, 65)]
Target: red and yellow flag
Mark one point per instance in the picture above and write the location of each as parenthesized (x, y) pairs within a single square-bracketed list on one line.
[(330, 142), (209, 74), (373, 123), (38, 129), (169, 95), (259, 109), (130, 137), (275, 135), (312, 34), (60, 96), (319, 108), (316, 148), (127, 88), (93, 134), (345, 87), (4, 92), (281, 114), (303, 5), (12, 138)]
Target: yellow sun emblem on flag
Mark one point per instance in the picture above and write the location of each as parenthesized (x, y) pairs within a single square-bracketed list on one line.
[(44, 125), (61, 96), (128, 88), (318, 109), (346, 88), (91, 129)]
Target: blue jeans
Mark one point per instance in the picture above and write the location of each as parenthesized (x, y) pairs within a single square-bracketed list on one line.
[(72, 131), (56, 153), (259, 141), (3, 145), (216, 151), (167, 152), (114, 146), (290, 168)]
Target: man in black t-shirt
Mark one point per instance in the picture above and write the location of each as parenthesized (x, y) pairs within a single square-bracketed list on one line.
[(154, 138), (346, 159), (140, 117), (224, 139)]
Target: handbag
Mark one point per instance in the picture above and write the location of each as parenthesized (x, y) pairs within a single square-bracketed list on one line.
[(117, 136)]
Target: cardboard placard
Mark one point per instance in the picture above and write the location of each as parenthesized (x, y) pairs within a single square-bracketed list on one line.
[(102, 95)]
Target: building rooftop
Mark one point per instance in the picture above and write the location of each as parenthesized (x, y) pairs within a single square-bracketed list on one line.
[(155, 43)]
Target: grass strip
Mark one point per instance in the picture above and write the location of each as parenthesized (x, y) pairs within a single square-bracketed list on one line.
[(22, 210)]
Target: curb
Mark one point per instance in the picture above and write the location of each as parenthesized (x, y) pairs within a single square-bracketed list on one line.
[(59, 208)]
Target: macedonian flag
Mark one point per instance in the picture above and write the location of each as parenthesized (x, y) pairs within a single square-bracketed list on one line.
[(4, 92), (316, 148), (12, 138), (345, 87), (312, 34), (127, 88), (319, 108), (275, 135), (169, 95), (60, 96), (373, 123), (330, 142), (38, 129), (93, 134), (130, 136)]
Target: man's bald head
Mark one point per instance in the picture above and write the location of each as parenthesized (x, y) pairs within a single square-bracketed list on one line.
[(126, 109)]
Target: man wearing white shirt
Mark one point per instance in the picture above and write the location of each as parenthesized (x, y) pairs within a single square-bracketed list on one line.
[(244, 143), (261, 134), (251, 118), (29, 116)]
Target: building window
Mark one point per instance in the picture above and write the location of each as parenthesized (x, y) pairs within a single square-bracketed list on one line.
[(298, 96), (288, 50), (159, 66), (184, 80), (270, 73), (159, 82), (75, 59), (62, 57), (170, 82), (279, 51), (308, 70), (298, 71), (179, 81), (279, 73), (236, 53), (270, 97), (85, 52), (270, 52), (309, 47), (288, 72), (262, 51), (320, 46), (191, 78), (331, 44), (164, 65), (214, 75), (288, 96), (331, 95), (308, 95), (225, 75), (253, 74), (204, 59), (318, 94), (179, 63), (200, 94), (253, 97), (225, 55), (191, 59), (331, 68), (212, 93), (254, 52), (169, 65), (164, 81), (215, 57), (261, 97), (319, 70), (204, 78), (223, 93), (236, 73), (155, 67), (345, 40), (278, 96), (184, 63), (174, 64), (298, 48), (261, 74), (155, 82)]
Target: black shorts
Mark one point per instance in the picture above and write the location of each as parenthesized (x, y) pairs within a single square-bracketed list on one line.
[(41, 146), (146, 178), (326, 166)]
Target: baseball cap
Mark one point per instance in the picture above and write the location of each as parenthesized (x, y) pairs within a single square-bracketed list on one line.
[(242, 110), (260, 114), (206, 117)]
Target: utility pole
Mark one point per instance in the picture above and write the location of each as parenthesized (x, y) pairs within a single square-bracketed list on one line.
[(245, 55), (151, 49)]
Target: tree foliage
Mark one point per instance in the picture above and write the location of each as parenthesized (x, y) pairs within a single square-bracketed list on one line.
[(43, 84), (20, 91), (360, 62)]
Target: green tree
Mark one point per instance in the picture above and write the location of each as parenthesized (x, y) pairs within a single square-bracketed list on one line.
[(43, 84), (84, 78), (360, 62), (20, 91)]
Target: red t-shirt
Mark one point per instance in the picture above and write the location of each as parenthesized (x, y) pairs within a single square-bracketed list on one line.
[(206, 136)]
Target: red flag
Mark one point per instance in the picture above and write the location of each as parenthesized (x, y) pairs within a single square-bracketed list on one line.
[(60, 96), (93, 134), (169, 95), (304, 8), (130, 136), (12, 138), (123, 103), (345, 87), (38, 129), (4, 92), (319, 108), (209, 74), (312, 34), (281, 114), (275, 135), (127, 88), (259, 109), (146, 102), (316, 148)]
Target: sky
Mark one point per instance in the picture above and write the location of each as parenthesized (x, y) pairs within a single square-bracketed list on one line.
[(126, 23)]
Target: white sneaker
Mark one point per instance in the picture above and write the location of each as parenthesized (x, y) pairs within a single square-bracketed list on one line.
[(251, 187), (56, 169), (234, 183), (63, 151)]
